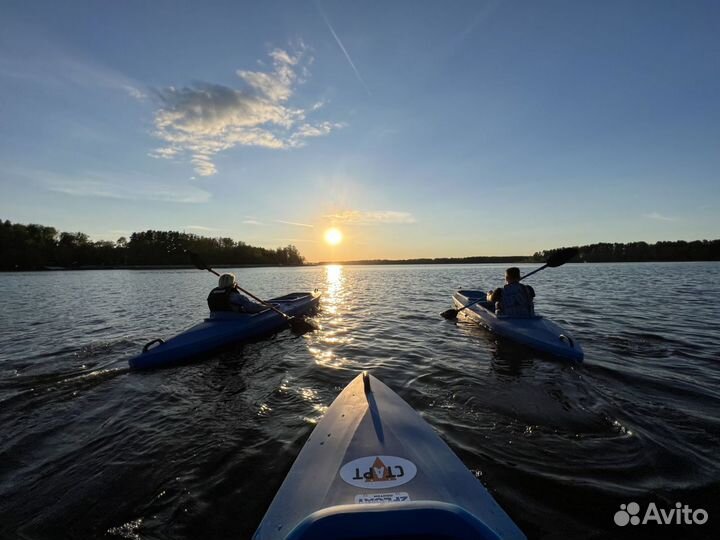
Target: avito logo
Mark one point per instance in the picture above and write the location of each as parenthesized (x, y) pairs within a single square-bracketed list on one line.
[(680, 515)]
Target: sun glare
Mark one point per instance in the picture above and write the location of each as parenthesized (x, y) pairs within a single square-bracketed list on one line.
[(333, 236)]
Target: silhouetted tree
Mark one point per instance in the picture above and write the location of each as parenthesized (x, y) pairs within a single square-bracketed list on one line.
[(35, 246), (697, 250)]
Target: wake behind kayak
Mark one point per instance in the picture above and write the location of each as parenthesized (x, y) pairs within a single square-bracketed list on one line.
[(374, 469), (221, 329)]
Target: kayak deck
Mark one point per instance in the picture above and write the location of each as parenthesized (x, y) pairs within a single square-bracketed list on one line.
[(221, 329), (536, 332), (374, 469)]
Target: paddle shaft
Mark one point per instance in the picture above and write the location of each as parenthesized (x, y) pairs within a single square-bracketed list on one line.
[(251, 295)]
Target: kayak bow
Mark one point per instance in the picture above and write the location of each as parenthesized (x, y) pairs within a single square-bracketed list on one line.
[(374, 469)]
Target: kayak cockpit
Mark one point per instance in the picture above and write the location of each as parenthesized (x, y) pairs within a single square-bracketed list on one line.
[(466, 297), (426, 520), (281, 302)]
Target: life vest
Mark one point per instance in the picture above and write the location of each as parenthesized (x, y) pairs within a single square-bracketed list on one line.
[(219, 299), (515, 301)]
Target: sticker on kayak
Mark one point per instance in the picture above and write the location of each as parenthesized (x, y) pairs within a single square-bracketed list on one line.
[(380, 498), (378, 472)]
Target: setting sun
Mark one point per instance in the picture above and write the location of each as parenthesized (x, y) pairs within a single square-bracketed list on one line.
[(333, 236)]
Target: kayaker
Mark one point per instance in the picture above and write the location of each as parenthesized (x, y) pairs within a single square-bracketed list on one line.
[(515, 299), (226, 297)]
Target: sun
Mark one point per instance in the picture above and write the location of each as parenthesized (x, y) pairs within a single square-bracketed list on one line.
[(333, 236)]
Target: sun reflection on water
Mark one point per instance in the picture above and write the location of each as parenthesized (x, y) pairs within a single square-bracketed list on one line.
[(334, 279), (335, 331)]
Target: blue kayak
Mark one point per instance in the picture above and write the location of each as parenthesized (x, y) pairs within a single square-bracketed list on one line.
[(374, 469), (221, 329), (536, 332)]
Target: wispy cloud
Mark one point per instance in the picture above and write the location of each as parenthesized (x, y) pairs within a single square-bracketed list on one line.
[(28, 55), (251, 222), (297, 240), (659, 217), (359, 217), (127, 186), (204, 119), (201, 228), (342, 47), (294, 223), (97, 186)]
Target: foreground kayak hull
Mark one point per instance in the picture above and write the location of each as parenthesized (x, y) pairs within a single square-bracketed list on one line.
[(535, 332), (374, 469), (223, 329)]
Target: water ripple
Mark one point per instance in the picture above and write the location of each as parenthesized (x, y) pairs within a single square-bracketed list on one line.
[(95, 450)]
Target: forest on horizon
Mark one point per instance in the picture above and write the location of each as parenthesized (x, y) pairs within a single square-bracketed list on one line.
[(38, 247)]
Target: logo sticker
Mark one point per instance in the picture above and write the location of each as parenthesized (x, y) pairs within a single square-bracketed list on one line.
[(379, 498), (378, 472)]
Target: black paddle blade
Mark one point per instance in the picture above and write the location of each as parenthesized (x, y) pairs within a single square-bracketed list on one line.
[(561, 256), (450, 314), (301, 326), (197, 261)]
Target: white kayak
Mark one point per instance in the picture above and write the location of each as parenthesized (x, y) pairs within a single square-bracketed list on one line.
[(536, 332), (374, 469)]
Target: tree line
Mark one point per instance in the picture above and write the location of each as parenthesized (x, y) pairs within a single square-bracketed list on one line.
[(697, 250), (35, 247), (480, 259)]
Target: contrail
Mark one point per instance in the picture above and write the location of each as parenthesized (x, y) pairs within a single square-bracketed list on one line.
[(342, 48)]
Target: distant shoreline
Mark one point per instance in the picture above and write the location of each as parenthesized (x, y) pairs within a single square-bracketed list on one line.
[(409, 262), (154, 267), (37, 248), (445, 260), (523, 261)]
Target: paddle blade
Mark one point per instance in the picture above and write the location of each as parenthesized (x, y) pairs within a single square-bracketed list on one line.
[(197, 261), (301, 326), (450, 314), (561, 256)]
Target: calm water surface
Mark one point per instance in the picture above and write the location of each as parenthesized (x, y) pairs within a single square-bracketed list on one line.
[(92, 450)]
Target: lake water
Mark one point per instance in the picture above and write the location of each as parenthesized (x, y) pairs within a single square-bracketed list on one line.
[(90, 449)]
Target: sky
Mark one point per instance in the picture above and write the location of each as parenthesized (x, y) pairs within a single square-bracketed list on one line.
[(418, 129)]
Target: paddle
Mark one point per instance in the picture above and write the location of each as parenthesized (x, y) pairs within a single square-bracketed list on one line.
[(558, 258), (297, 325)]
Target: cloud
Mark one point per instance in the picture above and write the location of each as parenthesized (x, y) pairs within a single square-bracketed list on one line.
[(253, 221), (199, 228), (132, 186), (108, 189), (306, 131), (358, 217), (28, 55), (204, 119), (659, 217), (277, 85), (297, 240), (294, 223)]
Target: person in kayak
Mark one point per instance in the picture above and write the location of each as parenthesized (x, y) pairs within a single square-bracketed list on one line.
[(225, 297), (514, 299)]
